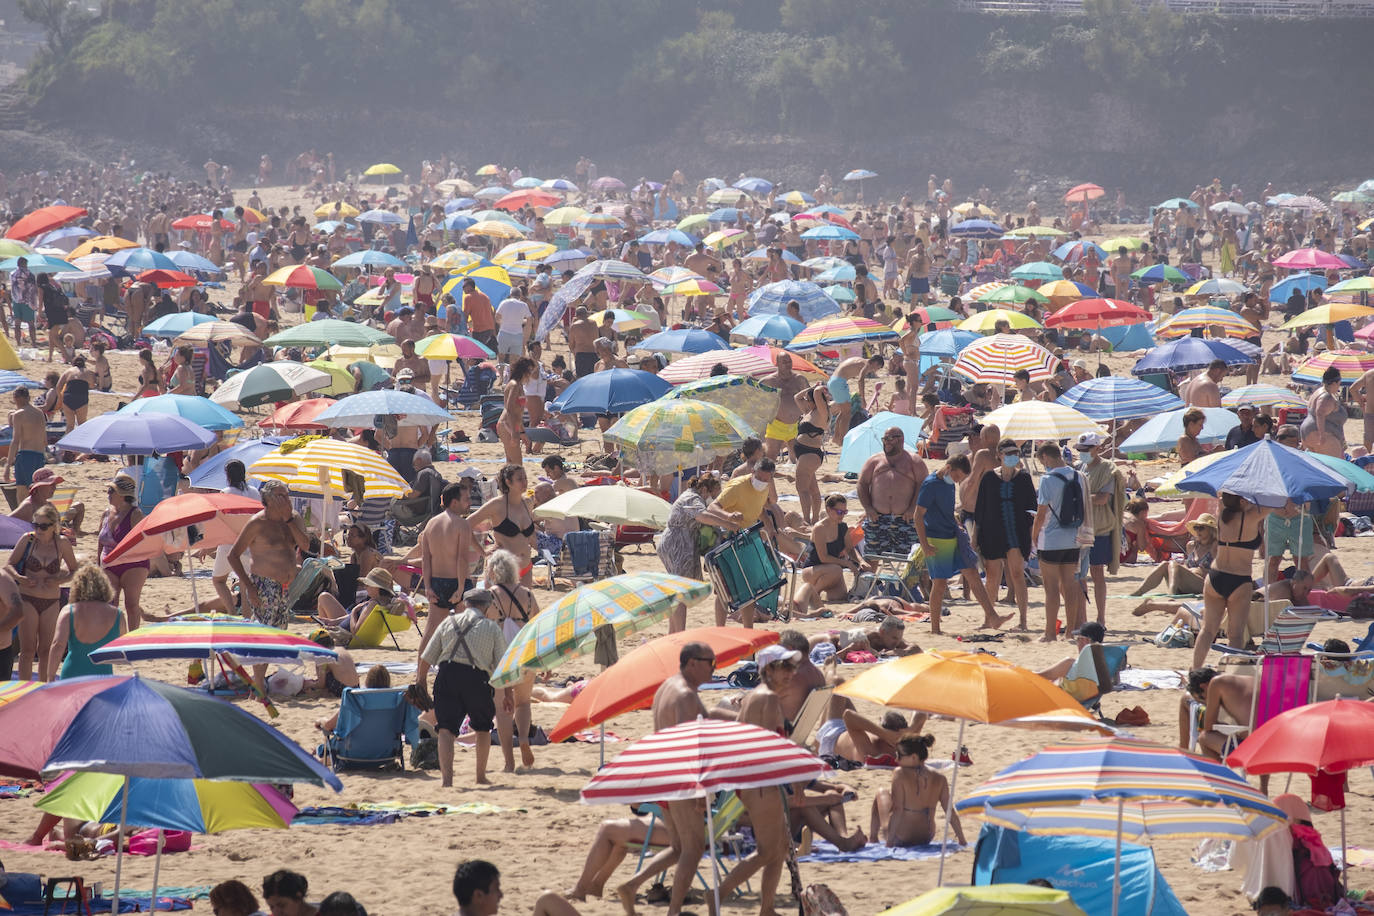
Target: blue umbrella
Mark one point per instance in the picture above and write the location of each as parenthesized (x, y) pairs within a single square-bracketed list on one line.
[(529, 181), (1161, 433), (761, 254), (330, 225), (10, 380), (66, 232), (723, 215), (174, 325), (567, 254), (1038, 270), (360, 409), (754, 185), (1075, 251), (831, 233), (1269, 475), (457, 222), (209, 474), (946, 342), (459, 203), (664, 236), (384, 217), (200, 411), (136, 260), (859, 175), (142, 434), (369, 258), (690, 340), (978, 229), (1187, 354), (39, 264), (1131, 336), (778, 328), (558, 184), (1306, 282), (866, 440), (1115, 398), (840, 273), (194, 263), (1353, 262), (772, 299), (614, 391)]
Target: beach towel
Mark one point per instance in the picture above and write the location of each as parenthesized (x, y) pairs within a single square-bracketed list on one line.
[(821, 851), (127, 904), (1150, 679), (584, 549)]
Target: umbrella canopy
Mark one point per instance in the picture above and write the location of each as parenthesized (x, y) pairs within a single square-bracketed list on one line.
[(1330, 313), (1161, 273), (986, 322), (1012, 294), (1161, 433), (40, 264), (209, 635), (1139, 820), (614, 391), (299, 276), (777, 328), (990, 900), (1208, 317), (866, 440), (1267, 474), (13, 690), (1335, 737), (369, 258), (527, 197), (1038, 270), (452, 347), (381, 168), (360, 409), (632, 681), (277, 381), (1032, 420), (208, 332), (298, 415), (929, 317), (1309, 259), (220, 518), (613, 505), (195, 805), (1303, 283), (772, 299), (1075, 251), (1097, 313), (303, 469), (528, 251), (1188, 354), (611, 269), (1261, 396), (209, 474), (687, 340), (949, 342), (668, 435), (138, 434), (176, 324), (838, 331), (1117, 398), (697, 758), (341, 380), (1352, 363), (627, 603), (978, 229), (327, 332), (754, 362), (997, 358), (44, 219), (756, 403), (1083, 192), (200, 411), (1353, 285), (194, 263), (383, 217), (167, 279), (337, 209)]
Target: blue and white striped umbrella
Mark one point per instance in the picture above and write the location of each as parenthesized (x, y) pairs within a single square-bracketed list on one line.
[(772, 299), (385, 217), (1159, 434), (361, 409), (1189, 353), (611, 269), (1115, 398)]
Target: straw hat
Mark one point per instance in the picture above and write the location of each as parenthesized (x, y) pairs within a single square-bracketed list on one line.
[(1205, 520), (381, 580)]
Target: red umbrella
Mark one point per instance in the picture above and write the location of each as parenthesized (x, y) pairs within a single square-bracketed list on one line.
[(1097, 313), (44, 219), (167, 279), (298, 415), (1310, 259), (219, 518), (202, 221), (1335, 736), (1082, 192), (528, 197), (631, 683)]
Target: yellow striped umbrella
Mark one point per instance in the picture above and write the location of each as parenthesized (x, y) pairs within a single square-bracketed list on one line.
[(497, 229), (384, 355), (997, 358), (523, 251), (1262, 396), (986, 322), (1330, 313), (1031, 420), (1205, 316), (456, 259), (302, 468), (563, 217), (723, 238)]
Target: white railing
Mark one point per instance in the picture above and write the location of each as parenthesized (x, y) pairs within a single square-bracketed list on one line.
[(1273, 9)]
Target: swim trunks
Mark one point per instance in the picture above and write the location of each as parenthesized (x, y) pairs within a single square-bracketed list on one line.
[(272, 609), (838, 386), (891, 535), (444, 590), (780, 432), (26, 462)]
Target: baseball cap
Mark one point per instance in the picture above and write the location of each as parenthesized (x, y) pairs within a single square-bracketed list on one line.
[(1089, 440), (405, 375), (770, 654)]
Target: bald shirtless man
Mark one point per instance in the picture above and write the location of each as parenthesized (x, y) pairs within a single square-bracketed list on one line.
[(582, 336), (888, 484), (783, 428), (28, 448), (1205, 388), (448, 551)]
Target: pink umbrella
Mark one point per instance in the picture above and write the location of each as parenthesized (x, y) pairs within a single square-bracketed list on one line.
[(1310, 259)]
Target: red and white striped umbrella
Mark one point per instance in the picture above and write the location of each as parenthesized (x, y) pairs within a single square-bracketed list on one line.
[(997, 358), (697, 758)]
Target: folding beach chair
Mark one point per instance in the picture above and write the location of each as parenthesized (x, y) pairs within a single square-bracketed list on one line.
[(745, 570), (371, 727), (1282, 682), (725, 817), (810, 715), (1094, 674), (377, 627)]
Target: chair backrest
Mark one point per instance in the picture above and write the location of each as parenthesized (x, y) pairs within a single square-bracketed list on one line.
[(810, 714), (726, 815), (1282, 682), (62, 498), (746, 567), (371, 723), (1286, 634), (1089, 677), (379, 628)]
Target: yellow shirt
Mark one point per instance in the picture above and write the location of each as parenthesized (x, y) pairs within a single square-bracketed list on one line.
[(740, 496)]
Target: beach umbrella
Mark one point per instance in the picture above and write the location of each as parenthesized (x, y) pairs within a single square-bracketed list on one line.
[(1080, 193), (831, 233), (929, 317), (1187, 354), (341, 380), (176, 324), (13, 690), (722, 238), (859, 175), (567, 629), (1039, 232), (1161, 432), (203, 222), (563, 217), (44, 219), (985, 322), (1302, 202), (1173, 203), (167, 279), (1161, 273), (796, 199), (559, 184), (381, 168), (13, 248), (12, 530), (1353, 285), (838, 331), (451, 347), (297, 415), (754, 362), (997, 358), (1012, 294), (317, 467), (772, 299), (840, 293), (497, 229), (299, 276), (611, 392), (1261, 396), (1352, 363), (1097, 313), (866, 440), (754, 185), (1123, 772), (488, 170), (193, 263), (1038, 270), (458, 222), (208, 635), (725, 214), (276, 381), (840, 273), (1129, 242), (39, 264), (1303, 282), (528, 197), (361, 409), (626, 320), (691, 286), (384, 355), (611, 269), (1327, 314), (1073, 252), (1208, 318), (612, 505), (1132, 336), (777, 328), (607, 183), (976, 293), (978, 229), (203, 333), (526, 251), (66, 238), (1116, 398), (688, 340), (949, 342), (692, 223), (1267, 474), (491, 192), (381, 217), (989, 900), (594, 222), (1229, 208), (632, 681), (1309, 259), (669, 435), (200, 411), (327, 332), (666, 276), (756, 403), (209, 474), (139, 434), (369, 258), (337, 209), (1037, 420)]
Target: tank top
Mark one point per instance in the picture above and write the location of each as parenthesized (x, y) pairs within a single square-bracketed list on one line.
[(78, 662)]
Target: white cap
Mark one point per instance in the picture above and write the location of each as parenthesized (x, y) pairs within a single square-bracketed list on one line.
[(1089, 439), (770, 654)]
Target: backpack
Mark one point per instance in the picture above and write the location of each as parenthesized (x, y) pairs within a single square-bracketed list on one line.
[(1070, 512)]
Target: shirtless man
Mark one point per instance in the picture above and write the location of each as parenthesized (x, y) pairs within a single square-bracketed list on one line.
[(910, 345), (677, 702), (888, 484), (783, 428), (1121, 273), (256, 293), (448, 551), (855, 369), (272, 536), (904, 815), (28, 450), (582, 342), (1226, 698), (418, 365), (136, 304), (806, 679), (1204, 390), (1363, 391)]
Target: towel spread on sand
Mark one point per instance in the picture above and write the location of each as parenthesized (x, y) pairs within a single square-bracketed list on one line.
[(1150, 679), (821, 851), (369, 813)]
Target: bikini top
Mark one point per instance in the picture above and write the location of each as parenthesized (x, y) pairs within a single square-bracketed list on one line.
[(27, 562), (509, 529), (1251, 544), (836, 547), (807, 428)]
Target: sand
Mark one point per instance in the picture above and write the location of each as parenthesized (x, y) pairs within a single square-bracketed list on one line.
[(540, 836)]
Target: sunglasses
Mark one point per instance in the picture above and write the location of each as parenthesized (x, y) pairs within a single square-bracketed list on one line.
[(42, 526), (709, 659)]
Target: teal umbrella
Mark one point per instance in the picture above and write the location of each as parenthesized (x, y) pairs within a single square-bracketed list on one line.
[(173, 326), (200, 411)]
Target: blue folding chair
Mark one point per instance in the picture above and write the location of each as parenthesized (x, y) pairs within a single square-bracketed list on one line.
[(372, 724)]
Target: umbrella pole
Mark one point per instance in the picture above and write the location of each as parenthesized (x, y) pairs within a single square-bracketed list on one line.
[(119, 844), (191, 562), (157, 867), (1345, 865), (603, 746), (1116, 875), (949, 810), (711, 849)]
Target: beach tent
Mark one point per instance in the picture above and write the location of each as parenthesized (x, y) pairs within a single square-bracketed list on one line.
[(1130, 336), (8, 358), (1083, 866)]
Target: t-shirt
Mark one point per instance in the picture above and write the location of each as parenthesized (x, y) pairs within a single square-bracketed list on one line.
[(1239, 437), (739, 495), (1332, 601), (512, 314), (937, 498), (477, 308), (1054, 536)]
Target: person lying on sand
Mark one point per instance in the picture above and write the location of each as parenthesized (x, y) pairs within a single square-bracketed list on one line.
[(864, 739), (886, 637)]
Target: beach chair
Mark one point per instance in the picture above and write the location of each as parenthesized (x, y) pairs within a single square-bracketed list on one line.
[(1094, 674), (586, 556), (1282, 682), (371, 727), (811, 714), (955, 425), (379, 626), (725, 817), (745, 570)]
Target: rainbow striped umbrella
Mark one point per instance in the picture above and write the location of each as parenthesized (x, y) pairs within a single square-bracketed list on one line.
[(299, 276), (697, 286), (627, 603), (666, 435), (206, 635), (1352, 363), (1261, 396), (13, 690), (925, 316), (838, 330), (1139, 820), (722, 238), (1062, 292), (1205, 316), (452, 346), (599, 221), (997, 358), (754, 362)]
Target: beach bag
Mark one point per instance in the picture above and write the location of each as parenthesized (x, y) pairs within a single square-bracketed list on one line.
[(1175, 637), (1315, 874), (745, 677), (1361, 607), (820, 900), (424, 755)]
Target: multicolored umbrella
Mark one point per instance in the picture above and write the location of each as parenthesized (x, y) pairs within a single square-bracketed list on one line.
[(691, 286), (1352, 363), (1161, 273), (13, 690), (997, 358), (625, 320), (926, 316), (310, 467), (208, 635), (300, 276), (1129, 242), (452, 347), (1097, 313), (1039, 232), (1116, 398), (1261, 396), (627, 603), (1209, 317), (456, 259), (195, 805), (497, 229), (1039, 420), (1363, 284), (755, 362), (986, 322), (1217, 286), (523, 251), (949, 342), (668, 435), (838, 331), (599, 222), (1083, 192), (756, 403), (208, 332)]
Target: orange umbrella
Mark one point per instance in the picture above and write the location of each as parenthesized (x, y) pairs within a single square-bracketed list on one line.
[(167, 279), (218, 516), (631, 683), (202, 221), (44, 219), (531, 197), (298, 415)]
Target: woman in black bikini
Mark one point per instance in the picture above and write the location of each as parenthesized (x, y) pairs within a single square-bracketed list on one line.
[(74, 392), (36, 566), (1230, 583), (814, 404), (827, 557), (514, 607), (508, 514)]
